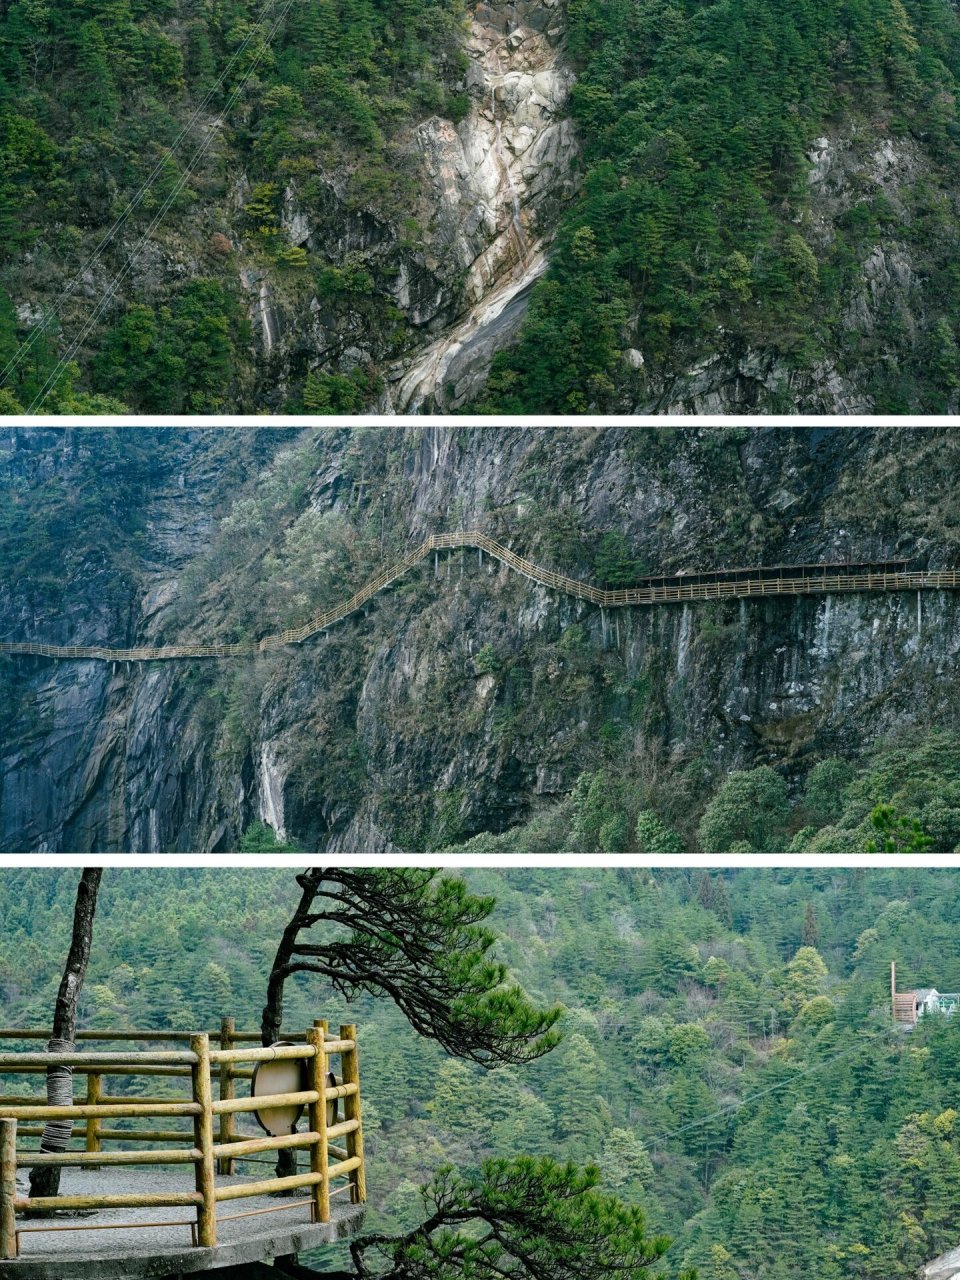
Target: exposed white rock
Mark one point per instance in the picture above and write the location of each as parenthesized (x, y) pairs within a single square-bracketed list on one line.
[(293, 220), (270, 782), (264, 318), (484, 181)]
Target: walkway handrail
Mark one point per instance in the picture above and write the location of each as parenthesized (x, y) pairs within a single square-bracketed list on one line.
[(208, 1115), (808, 580)]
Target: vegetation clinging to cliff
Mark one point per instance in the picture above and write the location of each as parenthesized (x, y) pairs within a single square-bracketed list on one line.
[(102, 104), (693, 223)]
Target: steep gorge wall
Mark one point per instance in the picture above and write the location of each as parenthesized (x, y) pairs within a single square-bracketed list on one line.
[(494, 185), (491, 187), (881, 317), (389, 732)]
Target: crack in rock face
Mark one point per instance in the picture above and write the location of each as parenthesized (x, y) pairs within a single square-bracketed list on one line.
[(487, 183)]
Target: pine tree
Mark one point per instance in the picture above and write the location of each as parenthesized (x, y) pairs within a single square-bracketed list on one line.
[(98, 98), (538, 1218), (810, 934)]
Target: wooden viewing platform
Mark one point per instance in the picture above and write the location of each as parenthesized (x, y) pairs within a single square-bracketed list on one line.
[(714, 584), (155, 1201)]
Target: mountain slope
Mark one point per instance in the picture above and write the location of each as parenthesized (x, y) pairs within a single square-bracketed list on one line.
[(727, 1059), (466, 699), (731, 207)]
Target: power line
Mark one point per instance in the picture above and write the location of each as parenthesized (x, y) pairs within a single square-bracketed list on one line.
[(171, 197), (734, 1107), (57, 306)]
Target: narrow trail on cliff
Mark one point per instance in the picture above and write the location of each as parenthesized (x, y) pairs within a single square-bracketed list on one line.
[(711, 584)]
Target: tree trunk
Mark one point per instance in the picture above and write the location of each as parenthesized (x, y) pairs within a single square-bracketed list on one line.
[(56, 1133), (272, 1018)]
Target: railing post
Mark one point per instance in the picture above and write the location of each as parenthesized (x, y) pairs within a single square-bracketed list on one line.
[(351, 1110), (8, 1188), (319, 1151), (227, 1090), (94, 1094), (203, 1141)]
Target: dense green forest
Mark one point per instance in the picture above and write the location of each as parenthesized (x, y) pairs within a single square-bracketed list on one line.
[(134, 117), (694, 218), (179, 136), (905, 797), (727, 1058)]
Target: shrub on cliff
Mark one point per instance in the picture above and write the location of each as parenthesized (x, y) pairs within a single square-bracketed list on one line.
[(750, 807)]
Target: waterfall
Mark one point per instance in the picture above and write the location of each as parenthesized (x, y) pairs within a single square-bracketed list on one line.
[(263, 306), (271, 792), (683, 647), (518, 231)]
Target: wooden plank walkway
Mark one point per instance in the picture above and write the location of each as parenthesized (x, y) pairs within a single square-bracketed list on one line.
[(799, 581)]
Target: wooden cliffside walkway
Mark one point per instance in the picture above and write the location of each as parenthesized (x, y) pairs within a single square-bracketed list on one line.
[(780, 580)]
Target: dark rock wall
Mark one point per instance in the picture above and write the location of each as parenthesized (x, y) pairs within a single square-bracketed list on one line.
[(386, 732)]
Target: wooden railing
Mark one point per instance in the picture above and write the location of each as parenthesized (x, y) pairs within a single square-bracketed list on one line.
[(211, 1145), (805, 580)]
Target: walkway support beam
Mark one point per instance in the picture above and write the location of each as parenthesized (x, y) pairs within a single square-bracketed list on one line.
[(350, 1070), (228, 1090), (94, 1098), (319, 1151)]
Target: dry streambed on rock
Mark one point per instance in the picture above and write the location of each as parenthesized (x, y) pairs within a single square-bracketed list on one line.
[(487, 183)]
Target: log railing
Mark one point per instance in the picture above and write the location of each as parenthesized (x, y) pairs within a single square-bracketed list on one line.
[(211, 1145), (804, 580)]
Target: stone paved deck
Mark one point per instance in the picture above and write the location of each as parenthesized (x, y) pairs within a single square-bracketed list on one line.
[(148, 1249)]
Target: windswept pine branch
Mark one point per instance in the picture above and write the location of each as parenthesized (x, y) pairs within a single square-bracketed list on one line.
[(520, 1219), (418, 938)]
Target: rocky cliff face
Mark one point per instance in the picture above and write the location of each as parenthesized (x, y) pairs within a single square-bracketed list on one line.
[(493, 187), (883, 311), (490, 189), (394, 730)]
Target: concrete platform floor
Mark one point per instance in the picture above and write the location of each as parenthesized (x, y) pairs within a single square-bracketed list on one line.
[(148, 1249)]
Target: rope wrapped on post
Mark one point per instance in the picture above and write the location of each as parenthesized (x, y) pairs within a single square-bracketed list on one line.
[(58, 1131)]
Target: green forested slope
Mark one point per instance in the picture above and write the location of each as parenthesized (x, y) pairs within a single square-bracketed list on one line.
[(106, 103), (694, 227), (905, 797), (694, 233), (727, 1059)]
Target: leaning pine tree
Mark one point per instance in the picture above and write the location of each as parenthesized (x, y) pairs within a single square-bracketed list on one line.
[(45, 1181), (419, 938)]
